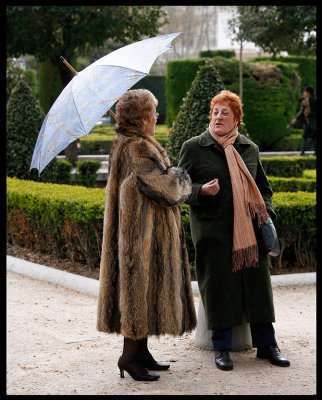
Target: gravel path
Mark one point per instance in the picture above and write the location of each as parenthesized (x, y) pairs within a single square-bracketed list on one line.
[(53, 348)]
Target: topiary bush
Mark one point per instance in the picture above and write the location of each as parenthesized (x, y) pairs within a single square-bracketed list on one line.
[(86, 172), (193, 117), (24, 120)]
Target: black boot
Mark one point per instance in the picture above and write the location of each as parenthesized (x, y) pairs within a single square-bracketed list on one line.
[(129, 362), (146, 357), (272, 353), (223, 360)]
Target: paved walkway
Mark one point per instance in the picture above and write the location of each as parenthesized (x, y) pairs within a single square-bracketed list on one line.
[(53, 347)]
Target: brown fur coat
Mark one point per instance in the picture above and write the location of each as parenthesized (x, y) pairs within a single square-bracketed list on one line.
[(145, 286)]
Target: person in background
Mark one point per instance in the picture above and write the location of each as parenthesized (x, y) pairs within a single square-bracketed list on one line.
[(230, 192), (145, 286), (307, 113)]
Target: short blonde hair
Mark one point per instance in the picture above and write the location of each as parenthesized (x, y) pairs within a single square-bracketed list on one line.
[(234, 102), (133, 106)]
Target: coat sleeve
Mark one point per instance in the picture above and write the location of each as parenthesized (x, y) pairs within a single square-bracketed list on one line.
[(186, 161), (168, 186), (264, 187)]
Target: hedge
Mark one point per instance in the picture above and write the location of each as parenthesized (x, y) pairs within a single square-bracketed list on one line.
[(288, 166), (293, 142), (215, 53), (281, 184), (63, 220), (67, 221), (270, 93), (306, 67)]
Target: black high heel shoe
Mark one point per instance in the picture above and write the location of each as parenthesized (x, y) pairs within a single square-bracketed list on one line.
[(136, 370), (149, 363), (146, 357)]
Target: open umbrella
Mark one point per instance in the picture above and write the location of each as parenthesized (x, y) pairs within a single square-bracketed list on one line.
[(92, 92)]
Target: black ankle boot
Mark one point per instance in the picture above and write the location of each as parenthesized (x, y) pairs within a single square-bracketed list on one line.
[(136, 370), (130, 362), (272, 353), (223, 360), (146, 358)]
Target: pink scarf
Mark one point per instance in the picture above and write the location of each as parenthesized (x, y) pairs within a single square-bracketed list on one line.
[(248, 202)]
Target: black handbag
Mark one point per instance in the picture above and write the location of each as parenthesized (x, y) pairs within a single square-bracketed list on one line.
[(267, 239)]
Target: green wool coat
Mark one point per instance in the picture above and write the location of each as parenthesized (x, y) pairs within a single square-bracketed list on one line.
[(225, 294)]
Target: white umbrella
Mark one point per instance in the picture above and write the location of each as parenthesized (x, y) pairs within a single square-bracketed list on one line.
[(92, 92)]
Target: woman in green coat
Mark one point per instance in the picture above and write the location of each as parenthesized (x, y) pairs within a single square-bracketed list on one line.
[(230, 192)]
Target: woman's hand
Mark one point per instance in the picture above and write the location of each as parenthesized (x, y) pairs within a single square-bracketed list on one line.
[(210, 188)]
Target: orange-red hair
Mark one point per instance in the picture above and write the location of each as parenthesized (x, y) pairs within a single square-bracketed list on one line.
[(234, 103)]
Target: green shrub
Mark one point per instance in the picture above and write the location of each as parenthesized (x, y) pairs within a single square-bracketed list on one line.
[(306, 67), (180, 74), (58, 219), (296, 226), (288, 166), (270, 93), (193, 117), (64, 168), (24, 120), (101, 138), (282, 184), (67, 221), (86, 172), (89, 146), (215, 53), (293, 142), (31, 76), (309, 174)]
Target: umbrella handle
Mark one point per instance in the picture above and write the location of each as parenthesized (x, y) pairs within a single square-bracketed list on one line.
[(111, 112), (68, 65)]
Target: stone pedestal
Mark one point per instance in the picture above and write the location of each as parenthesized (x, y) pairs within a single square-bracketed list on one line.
[(241, 336)]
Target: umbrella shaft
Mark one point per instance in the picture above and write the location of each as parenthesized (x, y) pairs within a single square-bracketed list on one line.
[(68, 65)]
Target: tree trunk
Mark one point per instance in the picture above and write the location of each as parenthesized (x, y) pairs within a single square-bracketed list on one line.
[(241, 71)]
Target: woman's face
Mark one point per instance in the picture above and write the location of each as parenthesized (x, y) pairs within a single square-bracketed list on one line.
[(149, 123), (223, 119)]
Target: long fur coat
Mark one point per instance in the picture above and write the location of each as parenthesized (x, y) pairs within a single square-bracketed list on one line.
[(145, 286)]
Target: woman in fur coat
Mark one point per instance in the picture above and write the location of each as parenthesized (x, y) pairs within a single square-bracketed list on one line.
[(145, 286)]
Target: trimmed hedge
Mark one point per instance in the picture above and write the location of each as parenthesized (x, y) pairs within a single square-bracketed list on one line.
[(281, 184), (270, 93), (67, 221), (215, 53), (306, 67), (288, 166), (292, 142), (62, 220)]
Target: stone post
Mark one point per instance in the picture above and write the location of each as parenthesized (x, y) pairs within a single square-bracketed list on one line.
[(241, 336)]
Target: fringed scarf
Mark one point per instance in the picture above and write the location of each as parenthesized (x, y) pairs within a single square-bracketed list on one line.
[(248, 203)]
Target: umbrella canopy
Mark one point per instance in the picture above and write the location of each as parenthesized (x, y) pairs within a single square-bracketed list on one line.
[(92, 92)]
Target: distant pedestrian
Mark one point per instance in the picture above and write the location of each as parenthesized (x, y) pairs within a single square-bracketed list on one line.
[(307, 113), (145, 286), (230, 192)]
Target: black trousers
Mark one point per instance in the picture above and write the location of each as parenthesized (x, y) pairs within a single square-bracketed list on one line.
[(262, 335)]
